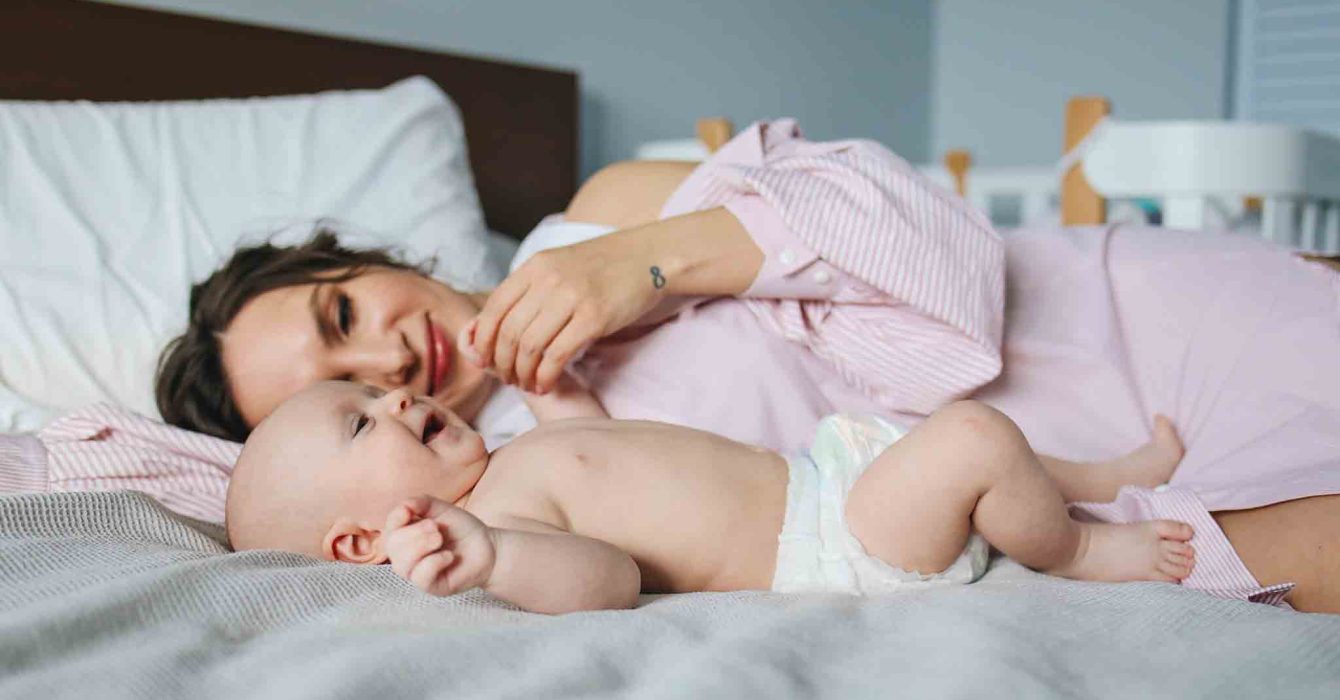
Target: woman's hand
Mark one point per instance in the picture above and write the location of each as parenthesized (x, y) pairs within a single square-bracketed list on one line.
[(558, 302), (563, 299)]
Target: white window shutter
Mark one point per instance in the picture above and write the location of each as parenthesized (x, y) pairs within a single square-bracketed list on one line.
[(1288, 63)]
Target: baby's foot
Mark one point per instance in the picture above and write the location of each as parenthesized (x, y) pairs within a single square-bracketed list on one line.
[(1155, 550), (1154, 462)]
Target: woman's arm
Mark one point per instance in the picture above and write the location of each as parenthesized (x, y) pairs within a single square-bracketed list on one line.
[(895, 281)]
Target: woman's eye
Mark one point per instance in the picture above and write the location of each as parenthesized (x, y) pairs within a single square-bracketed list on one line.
[(344, 313)]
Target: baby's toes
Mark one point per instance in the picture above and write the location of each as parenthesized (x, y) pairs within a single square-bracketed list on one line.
[(1165, 436), (1173, 530), (1181, 549), (1177, 560)]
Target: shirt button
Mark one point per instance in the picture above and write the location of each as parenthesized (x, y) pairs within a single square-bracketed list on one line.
[(787, 257), (822, 277), (1161, 488)]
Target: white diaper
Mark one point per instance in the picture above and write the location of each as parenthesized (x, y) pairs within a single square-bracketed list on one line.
[(816, 552)]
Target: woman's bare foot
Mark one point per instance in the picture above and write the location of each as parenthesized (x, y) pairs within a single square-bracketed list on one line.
[(1154, 550), (1152, 463)]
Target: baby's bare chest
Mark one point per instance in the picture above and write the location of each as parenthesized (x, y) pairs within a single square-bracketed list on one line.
[(629, 479)]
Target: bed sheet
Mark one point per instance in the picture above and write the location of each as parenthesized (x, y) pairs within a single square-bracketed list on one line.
[(1232, 337), (111, 595)]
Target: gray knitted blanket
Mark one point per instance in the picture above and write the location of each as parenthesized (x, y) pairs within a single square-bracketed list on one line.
[(109, 595)]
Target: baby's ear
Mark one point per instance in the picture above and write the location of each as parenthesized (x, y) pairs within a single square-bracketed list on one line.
[(350, 542)]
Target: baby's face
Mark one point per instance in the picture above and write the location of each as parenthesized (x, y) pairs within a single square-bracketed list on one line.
[(355, 452), (389, 441)]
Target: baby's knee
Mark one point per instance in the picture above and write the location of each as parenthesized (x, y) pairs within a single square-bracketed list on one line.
[(974, 426)]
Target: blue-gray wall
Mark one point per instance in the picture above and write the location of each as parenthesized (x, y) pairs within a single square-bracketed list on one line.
[(650, 68), (1004, 69)]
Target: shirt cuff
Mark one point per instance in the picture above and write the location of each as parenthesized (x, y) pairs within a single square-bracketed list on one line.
[(1219, 571), (790, 270)]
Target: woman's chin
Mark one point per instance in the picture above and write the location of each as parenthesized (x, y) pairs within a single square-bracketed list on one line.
[(470, 391)]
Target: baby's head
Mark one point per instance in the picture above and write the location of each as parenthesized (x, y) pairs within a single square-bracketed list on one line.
[(321, 473)]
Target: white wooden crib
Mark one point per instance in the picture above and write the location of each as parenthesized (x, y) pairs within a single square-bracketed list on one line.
[(1276, 181)]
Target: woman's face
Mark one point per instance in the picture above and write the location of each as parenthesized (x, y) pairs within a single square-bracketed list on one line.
[(388, 328)]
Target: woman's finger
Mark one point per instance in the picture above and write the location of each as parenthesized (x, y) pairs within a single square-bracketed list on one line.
[(509, 334), (499, 303), (535, 341), (580, 331)]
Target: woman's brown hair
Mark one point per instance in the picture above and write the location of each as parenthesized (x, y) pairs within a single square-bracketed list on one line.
[(191, 386)]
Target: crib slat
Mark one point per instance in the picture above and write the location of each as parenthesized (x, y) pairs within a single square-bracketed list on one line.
[(1331, 240), (1277, 217), (1035, 205), (1184, 212), (1309, 238)]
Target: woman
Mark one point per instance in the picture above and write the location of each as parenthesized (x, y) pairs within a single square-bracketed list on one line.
[(806, 278)]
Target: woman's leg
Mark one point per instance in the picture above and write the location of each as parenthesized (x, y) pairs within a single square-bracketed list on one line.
[(1295, 541), (969, 466)]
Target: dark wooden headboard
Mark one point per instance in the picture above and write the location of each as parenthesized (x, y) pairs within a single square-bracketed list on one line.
[(520, 122)]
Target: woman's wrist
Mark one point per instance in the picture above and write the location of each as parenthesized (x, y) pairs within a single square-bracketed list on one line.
[(706, 253)]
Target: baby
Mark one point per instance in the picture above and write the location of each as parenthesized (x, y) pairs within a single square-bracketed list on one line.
[(586, 512)]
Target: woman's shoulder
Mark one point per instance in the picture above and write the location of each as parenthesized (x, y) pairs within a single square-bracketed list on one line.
[(628, 193)]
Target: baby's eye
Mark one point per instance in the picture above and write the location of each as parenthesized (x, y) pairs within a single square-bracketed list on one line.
[(344, 313), (360, 424)]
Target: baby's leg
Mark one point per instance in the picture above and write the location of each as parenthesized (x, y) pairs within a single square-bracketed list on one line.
[(1150, 465), (969, 466)]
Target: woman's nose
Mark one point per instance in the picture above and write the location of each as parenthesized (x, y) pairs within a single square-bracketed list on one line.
[(386, 364)]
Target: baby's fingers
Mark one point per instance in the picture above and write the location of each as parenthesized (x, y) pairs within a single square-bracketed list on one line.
[(407, 546), (429, 570)]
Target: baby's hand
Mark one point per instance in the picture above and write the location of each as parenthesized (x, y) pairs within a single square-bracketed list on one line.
[(438, 547)]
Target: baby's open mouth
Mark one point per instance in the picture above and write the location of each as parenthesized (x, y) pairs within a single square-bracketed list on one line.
[(432, 427)]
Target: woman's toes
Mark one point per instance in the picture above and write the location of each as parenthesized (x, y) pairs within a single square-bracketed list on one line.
[(1173, 530)]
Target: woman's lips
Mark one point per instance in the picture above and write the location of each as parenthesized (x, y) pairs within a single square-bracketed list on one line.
[(439, 358)]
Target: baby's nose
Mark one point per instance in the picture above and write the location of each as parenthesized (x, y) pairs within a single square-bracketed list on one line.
[(397, 401)]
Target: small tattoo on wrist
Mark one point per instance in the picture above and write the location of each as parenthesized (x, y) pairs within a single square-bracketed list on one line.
[(657, 279)]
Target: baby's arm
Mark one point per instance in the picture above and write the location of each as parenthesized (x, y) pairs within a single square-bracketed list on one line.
[(569, 399), (444, 549)]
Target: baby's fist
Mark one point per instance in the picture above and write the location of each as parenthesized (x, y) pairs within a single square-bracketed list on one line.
[(438, 547)]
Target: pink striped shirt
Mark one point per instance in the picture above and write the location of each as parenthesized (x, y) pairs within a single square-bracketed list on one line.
[(107, 448), (879, 292)]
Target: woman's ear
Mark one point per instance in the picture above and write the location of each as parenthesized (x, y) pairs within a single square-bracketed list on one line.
[(350, 542)]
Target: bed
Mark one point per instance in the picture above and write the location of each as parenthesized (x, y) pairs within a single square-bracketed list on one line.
[(113, 594)]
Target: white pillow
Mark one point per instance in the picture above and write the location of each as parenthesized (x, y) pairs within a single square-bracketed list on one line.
[(109, 212)]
